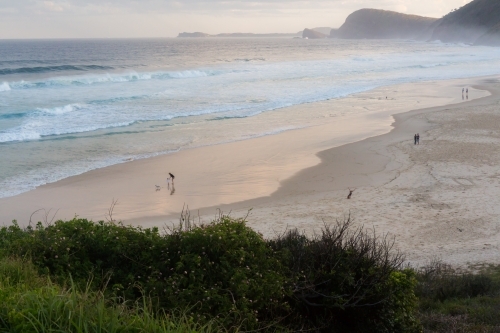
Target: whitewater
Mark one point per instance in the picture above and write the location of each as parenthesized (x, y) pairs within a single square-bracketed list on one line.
[(70, 106)]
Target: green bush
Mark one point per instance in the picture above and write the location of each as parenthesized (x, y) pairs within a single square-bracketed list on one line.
[(440, 282), (32, 303), (455, 301), (347, 280), (341, 280), (223, 270), (111, 254)]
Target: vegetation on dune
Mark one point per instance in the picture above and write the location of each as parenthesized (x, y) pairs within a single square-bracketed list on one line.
[(455, 301), (80, 276), (32, 303)]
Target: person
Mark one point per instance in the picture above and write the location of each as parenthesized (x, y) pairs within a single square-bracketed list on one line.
[(418, 138), (415, 139), (467, 93), (172, 177)]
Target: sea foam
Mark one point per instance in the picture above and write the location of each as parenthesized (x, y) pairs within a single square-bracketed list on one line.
[(113, 78), (4, 86), (61, 110)]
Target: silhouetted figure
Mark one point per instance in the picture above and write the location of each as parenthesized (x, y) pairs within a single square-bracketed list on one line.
[(418, 139), (467, 93), (173, 189), (415, 139), (350, 193), (172, 177)]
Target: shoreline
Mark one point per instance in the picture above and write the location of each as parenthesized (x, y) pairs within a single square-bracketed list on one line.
[(437, 199), (89, 189), (354, 174)]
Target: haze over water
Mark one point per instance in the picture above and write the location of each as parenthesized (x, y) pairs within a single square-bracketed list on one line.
[(70, 106)]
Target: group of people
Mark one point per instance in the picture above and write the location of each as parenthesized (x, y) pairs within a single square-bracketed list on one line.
[(466, 90), (416, 139)]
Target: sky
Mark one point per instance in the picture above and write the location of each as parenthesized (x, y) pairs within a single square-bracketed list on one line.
[(166, 18)]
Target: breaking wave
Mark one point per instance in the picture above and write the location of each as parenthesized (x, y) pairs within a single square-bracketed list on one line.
[(4, 87), (46, 69), (113, 78)]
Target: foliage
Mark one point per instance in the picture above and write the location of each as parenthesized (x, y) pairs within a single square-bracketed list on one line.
[(347, 279), (343, 279), (31, 303), (455, 301), (223, 270)]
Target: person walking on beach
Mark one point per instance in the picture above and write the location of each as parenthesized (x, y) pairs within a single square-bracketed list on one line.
[(415, 139), (172, 177), (418, 139), (467, 93)]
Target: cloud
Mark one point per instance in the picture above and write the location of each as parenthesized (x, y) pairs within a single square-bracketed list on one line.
[(52, 6)]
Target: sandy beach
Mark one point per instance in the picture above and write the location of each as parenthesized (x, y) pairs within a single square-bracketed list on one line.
[(437, 198)]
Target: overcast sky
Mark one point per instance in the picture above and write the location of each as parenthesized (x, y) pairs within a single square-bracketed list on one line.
[(166, 18)]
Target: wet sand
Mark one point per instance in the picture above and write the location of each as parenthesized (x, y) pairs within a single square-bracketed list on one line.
[(438, 199)]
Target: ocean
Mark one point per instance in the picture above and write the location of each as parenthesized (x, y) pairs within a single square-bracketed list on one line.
[(71, 106)]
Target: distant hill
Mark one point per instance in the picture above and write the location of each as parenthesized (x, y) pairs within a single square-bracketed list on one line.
[(323, 30), (491, 38), (383, 24), (193, 34), (313, 34), (237, 34), (475, 23), (242, 34)]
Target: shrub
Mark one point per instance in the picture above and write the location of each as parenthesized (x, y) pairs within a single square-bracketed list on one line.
[(221, 270), (110, 253), (31, 303), (343, 279), (226, 270), (347, 280), (438, 281), (456, 301)]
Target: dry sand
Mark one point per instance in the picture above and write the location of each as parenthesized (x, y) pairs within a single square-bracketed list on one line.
[(438, 198)]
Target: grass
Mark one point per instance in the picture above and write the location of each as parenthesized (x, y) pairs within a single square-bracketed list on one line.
[(32, 303), (80, 276), (454, 301)]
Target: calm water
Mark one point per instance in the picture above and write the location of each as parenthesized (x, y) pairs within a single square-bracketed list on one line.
[(69, 106)]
